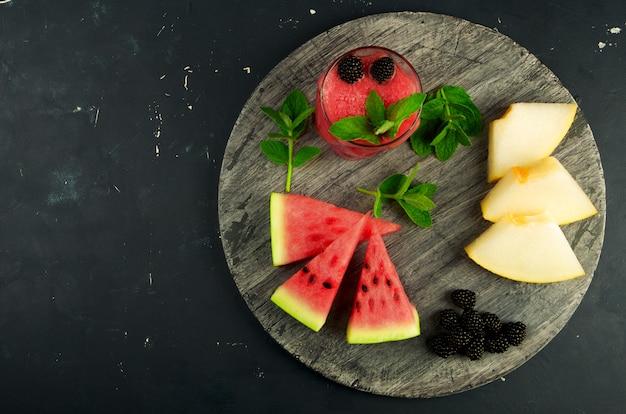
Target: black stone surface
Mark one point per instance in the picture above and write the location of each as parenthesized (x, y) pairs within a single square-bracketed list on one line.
[(114, 291)]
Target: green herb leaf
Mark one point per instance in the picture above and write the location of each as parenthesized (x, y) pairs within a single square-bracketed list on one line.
[(414, 200), (420, 217), (291, 121), (418, 201), (405, 107), (378, 121), (304, 155), (354, 127), (375, 109), (275, 151), (449, 118)]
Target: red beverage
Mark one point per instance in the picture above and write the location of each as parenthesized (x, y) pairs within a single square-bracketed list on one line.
[(338, 98)]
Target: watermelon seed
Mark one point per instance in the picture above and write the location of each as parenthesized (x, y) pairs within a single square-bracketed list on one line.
[(305, 269), (367, 265), (364, 288), (311, 278), (327, 285), (388, 282), (375, 280), (357, 305)]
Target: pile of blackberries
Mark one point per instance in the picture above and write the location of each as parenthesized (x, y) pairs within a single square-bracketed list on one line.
[(472, 333)]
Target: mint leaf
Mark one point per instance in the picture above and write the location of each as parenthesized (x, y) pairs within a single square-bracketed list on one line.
[(405, 107), (375, 109), (445, 148), (291, 121), (305, 154), (391, 186), (420, 217), (354, 127), (433, 109), (275, 151), (426, 189), (295, 104), (378, 121), (414, 200), (449, 118), (419, 201)]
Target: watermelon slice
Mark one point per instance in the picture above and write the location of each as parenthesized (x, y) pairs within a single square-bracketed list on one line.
[(308, 295), (301, 226), (381, 311)]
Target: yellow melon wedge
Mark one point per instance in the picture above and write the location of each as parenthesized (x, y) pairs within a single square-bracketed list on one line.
[(529, 249), (528, 132), (545, 185)]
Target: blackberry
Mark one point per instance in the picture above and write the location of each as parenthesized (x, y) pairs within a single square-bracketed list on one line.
[(492, 322), (459, 337), (515, 332), (448, 319), (475, 348), (496, 343), (464, 299), (472, 322), (383, 69), (350, 69), (442, 346)]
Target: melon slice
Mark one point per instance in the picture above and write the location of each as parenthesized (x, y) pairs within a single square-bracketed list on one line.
[(528, 132), (309, 294), (526, 249), (301, 226), (381, 311), (545, 185)]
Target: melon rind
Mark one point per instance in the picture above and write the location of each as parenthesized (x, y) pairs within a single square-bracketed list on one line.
[(277, 229), (356, 335)]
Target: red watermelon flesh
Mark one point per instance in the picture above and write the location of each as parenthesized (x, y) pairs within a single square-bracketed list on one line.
[(309, 294), (302, 226), (381, 311)]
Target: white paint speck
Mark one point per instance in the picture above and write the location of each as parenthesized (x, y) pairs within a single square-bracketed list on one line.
[(162, 77), (615, 30), (312, 11), (601, 45), (156, 150), (186, 82), (247, 69)]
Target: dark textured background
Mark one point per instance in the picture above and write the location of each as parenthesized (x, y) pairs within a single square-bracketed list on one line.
[(114, 291)]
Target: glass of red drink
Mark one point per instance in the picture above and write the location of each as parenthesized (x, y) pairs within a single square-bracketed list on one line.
[(337, 99)]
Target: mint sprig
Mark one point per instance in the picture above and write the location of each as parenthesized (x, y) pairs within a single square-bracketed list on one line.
[(449, 118), (378, 120), (414, 199), (291, 121)]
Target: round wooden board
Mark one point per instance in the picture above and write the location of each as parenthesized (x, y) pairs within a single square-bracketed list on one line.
[(431, 262)]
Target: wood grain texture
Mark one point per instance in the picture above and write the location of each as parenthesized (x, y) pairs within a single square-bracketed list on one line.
[(431, 262)]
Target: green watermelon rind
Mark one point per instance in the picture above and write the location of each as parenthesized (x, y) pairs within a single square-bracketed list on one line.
[(356, 335)]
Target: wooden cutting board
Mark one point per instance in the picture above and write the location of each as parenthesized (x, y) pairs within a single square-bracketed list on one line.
[(431, 262)]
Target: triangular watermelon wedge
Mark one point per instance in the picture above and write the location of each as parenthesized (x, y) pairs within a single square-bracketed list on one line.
[(381, 311), (309, 294), (302, 226)]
